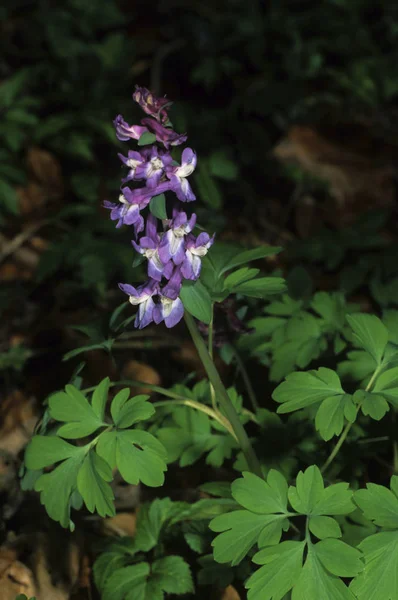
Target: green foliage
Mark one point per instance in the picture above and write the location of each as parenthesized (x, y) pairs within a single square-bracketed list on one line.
[(225, 257), (15, 358), (263, 519), (158, 523), (190, 434), (296, 332), (378, 580), (84, 471)]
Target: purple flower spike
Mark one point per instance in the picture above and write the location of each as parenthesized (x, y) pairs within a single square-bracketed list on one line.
[(148, 247), (142, 297), (156, 107), (171, 309), (125, 132), (165, 135), (178, 176), (195, 250), (153, 169), (172, 245), (133, 161)]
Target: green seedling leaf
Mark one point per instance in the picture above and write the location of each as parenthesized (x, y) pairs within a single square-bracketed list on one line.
[(370, 333)]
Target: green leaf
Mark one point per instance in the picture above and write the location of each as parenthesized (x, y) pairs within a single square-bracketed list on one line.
[(57, 487), (137, 454), (172, 575), (372, 404), (339, 558), (281, 570), (118, 586), (310, 497), (315, 582), (242, 258), (128, 412), (153, 518), (74, 409), (259, 496), (100, 397), (239, 276), (149, 582), (329, 420), (242, 529), (9, 200), (221, 166), (324, 527), (43, 451), (92, 483), (370, 333), (196, 300), (157, 206), (379, 504), (387, 386), (261, 287), (379, 580), (192, 435), (146, 139), (308, 491), (303, 389)]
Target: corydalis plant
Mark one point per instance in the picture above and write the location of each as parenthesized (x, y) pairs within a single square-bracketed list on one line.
[(174, 253)]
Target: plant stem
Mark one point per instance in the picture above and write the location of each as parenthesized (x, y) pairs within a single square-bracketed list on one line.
[(210, 348), (201, 407), (337, 447), (140, 384), (223, 397), (176, 399), (246, 380), (347, 428)]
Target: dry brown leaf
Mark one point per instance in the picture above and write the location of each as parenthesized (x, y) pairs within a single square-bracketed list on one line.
[(133, 369), (15, 577), (18, 418), (46, 169), (357, 180), (230, 593), (45, 579), (123, 524)]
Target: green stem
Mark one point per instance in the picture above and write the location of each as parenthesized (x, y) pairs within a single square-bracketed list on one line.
[(201, 407), (176, 399), (246, 380), (140, 384), (223, 397), (337, 447), (347, 428), (210, 348)]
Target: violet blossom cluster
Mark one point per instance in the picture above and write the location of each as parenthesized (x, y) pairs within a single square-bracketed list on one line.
[(172, 251)]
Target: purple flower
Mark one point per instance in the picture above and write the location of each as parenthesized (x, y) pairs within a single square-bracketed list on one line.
[(131, 203), (166, 135), (153, 169), (178, 176), (142, 297), (125, 132), (156, 107), (172, 245), (171, 309), (195, 250), (148, 247), (133, 161)]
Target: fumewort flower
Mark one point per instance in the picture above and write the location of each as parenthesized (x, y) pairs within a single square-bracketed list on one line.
[(148, 246), (142, 296), (156, 107), (172, 252), (178, 176), (195, 249), (172, 246)]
